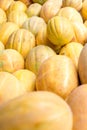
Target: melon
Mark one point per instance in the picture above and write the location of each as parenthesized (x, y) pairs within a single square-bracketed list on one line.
[(27, 78), (10, 87), (77, 100), (21, 40), (36, 111), (57, 74), (37, 56), (11, 60)]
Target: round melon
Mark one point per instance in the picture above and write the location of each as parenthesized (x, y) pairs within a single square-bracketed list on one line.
[(17, 17), (57, 74), (36, 57), (50, 9), (80, 32), (16, 5), (11, 60), (34, 24), (60, 31), (10, 87), (72, 50), (70, 13), (33, 10), (36, 111), (21, 40), (27, 78)]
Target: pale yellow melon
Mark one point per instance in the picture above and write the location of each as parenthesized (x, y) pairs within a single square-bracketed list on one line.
[(70, 13), (11, 60), (50, 8), (80, 32), (34, 24), (21, 40), (72, 50), (36, 111), (77, 100), (33, 10), (37, 56), (10, 87), (16, 5), (57, 74), (27, 78), (17, 17), (6, 30)]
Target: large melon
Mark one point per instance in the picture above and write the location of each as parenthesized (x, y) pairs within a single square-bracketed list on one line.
[(36, 111), (57, 74), (77, 100)]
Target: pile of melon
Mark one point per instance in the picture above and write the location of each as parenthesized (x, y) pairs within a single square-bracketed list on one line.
[(43, 64)]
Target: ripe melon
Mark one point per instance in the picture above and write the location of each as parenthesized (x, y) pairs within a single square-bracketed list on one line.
[(10, 87), (6, 29), (57, 74), (27, 78), (21, 40), (77, 100), (36, 111), (11, 60), (37, 56)]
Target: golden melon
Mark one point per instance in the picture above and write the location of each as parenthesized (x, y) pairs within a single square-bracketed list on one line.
[(77, 101), (10, 87), (6, 30), (27, 78), (57, 74), (17, 5), (37, 56), (72, 50), (60, 31), (21, 40), (33, 10), (36, 111), (11, 60), (17, 17)]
